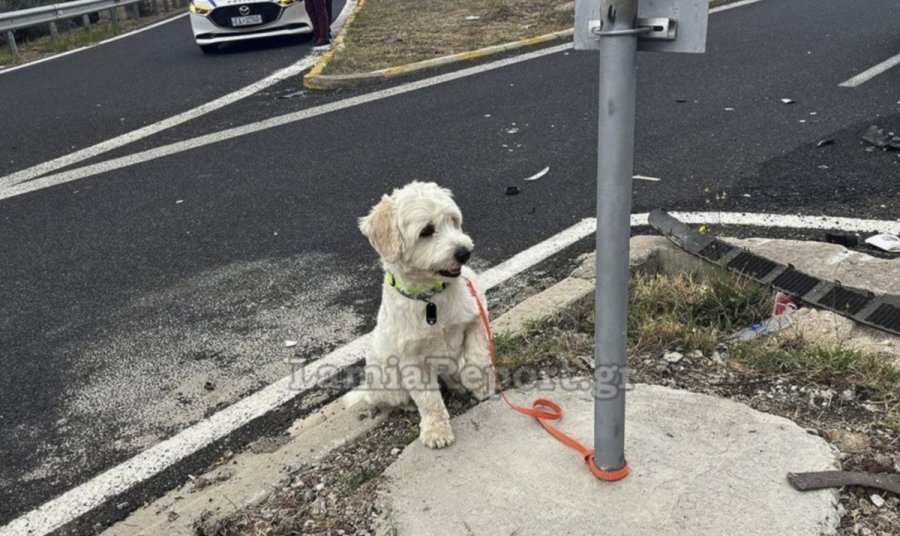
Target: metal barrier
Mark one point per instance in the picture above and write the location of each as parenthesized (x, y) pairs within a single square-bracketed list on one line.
[(26, 18)]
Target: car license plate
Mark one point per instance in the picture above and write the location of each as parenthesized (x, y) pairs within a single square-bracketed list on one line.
[(246, 21)]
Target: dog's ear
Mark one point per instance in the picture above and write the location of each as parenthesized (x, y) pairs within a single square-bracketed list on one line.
[(380, 228)]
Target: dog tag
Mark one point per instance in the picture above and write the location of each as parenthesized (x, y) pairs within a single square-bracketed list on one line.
[(431, 313)]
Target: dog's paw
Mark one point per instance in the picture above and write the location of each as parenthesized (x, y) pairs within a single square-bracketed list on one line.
[(436, 434), (354, 398)]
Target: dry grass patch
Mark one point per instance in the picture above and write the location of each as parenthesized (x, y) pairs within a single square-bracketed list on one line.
[(387, 33)]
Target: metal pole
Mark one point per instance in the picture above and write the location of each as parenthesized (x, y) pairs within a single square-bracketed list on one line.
[(615, 155)]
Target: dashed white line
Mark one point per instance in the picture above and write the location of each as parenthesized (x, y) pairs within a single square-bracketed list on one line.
[(872, 72)]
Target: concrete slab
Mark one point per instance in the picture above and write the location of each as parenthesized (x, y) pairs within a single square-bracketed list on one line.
[(250, 477), (700, 466)]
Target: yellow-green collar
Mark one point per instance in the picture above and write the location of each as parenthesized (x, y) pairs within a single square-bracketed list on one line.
[(415, 293)]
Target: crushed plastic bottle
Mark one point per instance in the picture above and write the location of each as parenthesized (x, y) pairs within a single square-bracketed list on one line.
[(782, 318)]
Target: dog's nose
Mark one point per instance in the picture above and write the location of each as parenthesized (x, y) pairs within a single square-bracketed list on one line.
[(462, 255)]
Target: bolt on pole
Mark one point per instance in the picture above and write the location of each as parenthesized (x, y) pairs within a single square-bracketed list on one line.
[(615, 159)]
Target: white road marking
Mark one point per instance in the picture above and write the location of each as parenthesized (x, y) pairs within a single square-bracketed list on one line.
[(81, 499), (174, 148), (787, 221), (149, 130), (872, 72), (79, 49), (15, 184), (535, 254), (75, 502), (733, 5)]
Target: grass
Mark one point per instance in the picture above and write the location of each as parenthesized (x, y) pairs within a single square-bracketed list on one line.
[(839, 368), (359, 478), (387, 33), (664, 313), (685, 314)]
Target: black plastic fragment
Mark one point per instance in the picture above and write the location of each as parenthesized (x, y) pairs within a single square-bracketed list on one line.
[(794, 283), (752, 265), (887, 316), (880, 312), (848, 241), (715, 250), (841, 299)]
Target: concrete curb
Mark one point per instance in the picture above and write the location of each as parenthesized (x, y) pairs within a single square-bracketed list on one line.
[(576, 288), (315, 80)]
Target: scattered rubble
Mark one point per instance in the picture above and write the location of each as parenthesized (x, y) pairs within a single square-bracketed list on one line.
[(879, 138)]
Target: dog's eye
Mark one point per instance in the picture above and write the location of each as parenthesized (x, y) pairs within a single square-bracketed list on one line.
[(427, 231)]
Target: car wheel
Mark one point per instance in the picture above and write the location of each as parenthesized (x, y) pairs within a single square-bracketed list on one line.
[(209, 49)]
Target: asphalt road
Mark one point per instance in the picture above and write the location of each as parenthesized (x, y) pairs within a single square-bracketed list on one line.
[(135, 302), (56, 107)]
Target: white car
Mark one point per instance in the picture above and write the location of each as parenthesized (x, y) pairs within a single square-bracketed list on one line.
[(223, 21)]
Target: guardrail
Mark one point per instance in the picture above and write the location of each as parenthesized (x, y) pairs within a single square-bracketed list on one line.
[(26, 18)]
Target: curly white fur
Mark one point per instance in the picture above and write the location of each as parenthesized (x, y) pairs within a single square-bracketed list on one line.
[(407, 354)]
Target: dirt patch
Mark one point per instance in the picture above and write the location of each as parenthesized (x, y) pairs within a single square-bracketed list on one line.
[(387, 33)]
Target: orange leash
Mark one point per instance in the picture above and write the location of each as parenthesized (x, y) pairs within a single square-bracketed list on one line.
[(544, 410)]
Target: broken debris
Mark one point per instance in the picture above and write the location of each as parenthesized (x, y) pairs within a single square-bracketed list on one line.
[(886, 242), (826, 141), (539, 174), (513, 190), (837, 479), (879, 138), (846, 240)]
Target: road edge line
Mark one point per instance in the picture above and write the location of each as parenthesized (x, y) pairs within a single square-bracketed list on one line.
[(77, 501)]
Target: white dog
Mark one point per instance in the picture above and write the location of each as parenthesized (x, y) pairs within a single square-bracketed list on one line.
[(428, 323)]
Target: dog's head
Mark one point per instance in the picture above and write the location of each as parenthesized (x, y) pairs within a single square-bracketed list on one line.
[(417, 231)]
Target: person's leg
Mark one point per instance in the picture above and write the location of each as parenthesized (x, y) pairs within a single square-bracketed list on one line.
[(322, 23), (313, 8)]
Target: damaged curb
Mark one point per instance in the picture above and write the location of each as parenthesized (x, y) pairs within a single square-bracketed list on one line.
[(315, 80)]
